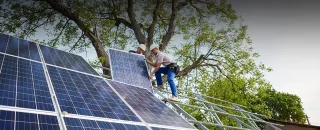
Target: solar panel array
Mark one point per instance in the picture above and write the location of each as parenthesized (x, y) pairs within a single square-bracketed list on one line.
[(42, 88), (129, 68)]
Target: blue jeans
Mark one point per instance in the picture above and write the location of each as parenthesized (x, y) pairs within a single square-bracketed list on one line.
[(171, 75)]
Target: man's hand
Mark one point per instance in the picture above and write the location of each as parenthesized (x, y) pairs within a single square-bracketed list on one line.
[(150, 76)]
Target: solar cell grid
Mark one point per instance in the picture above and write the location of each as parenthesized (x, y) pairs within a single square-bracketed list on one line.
[(24, 49), (149, 107), (27, 121), (82, 124), (8, 78), (23, 84), (66, 60), (129, 68), (18, 47), (3, 42), (33, 51), (13, 46), (87, 95)]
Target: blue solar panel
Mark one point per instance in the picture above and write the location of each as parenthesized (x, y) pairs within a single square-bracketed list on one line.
[(129, 68), (24, 49), (33, 51), (82, 124), (87, 95), (3, 42), (149, 107), (27, 121), (18, 47), (23, 84), (66, 60), (13, 46)]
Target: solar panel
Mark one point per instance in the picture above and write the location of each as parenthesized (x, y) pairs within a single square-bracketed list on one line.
[(129, 68), (10, 120), (149, 107), (23, 84), (3, 42), (66, 60), (76, 124), (18, 47), (88, 95), (13, 46)]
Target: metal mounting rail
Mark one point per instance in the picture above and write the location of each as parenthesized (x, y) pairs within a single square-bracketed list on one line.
[(180, 110), (212, 98), (215, 109), (204, 101), (101, 67)]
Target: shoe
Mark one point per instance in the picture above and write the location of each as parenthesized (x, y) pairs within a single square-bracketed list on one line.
[(159, 88), (174, 98)]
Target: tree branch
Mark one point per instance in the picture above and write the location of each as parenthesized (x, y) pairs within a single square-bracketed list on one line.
[(56, 39), (75, 44), (135, 26), (123, 21), (189, 68), (174, 12), (151, 28), (87, 32)]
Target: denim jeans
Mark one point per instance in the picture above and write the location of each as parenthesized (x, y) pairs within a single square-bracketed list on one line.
[(171, 74)]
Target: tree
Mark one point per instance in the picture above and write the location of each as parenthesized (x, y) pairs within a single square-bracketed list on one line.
[(283, 106), (111, 23)]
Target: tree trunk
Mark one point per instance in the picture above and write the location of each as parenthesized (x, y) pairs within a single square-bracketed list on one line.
[(56, 5)]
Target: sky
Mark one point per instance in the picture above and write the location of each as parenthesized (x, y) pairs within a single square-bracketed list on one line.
[(286, 34)]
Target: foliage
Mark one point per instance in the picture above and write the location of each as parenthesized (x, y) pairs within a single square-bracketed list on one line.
[(284, 106)]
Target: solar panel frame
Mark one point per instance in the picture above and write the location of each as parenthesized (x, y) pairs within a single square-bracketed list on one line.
[(150, 88)]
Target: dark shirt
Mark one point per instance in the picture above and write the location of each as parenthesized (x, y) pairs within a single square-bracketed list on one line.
[(132, 51)]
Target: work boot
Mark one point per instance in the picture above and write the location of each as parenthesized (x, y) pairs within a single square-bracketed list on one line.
[(174, 98), (159, 88)]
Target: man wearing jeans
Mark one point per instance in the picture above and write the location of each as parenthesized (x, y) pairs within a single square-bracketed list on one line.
[(165, 60)]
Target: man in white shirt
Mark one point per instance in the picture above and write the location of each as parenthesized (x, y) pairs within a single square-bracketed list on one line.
[(165, 60)]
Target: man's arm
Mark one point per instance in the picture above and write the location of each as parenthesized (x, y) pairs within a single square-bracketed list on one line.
[(152, 64), (156, 68)]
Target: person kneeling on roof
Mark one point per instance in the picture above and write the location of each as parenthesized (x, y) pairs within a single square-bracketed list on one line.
[(170, 69), (141, 48)]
